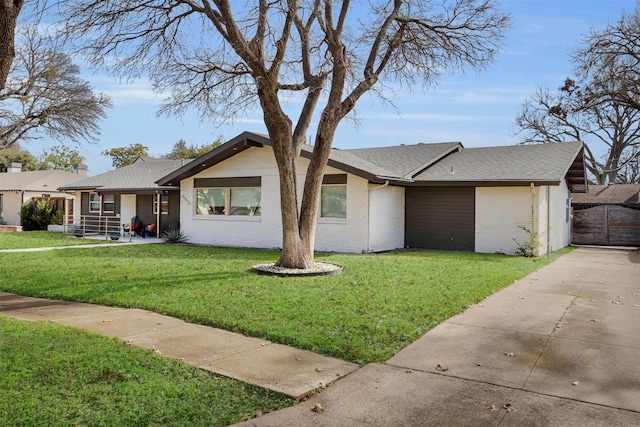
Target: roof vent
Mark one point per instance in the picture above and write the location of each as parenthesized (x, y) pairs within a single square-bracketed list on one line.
[(452, 171)]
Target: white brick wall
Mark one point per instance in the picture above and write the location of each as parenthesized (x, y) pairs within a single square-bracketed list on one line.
[(350, 234), (265, 231), (560, 232), (501, 210), (386, 218)]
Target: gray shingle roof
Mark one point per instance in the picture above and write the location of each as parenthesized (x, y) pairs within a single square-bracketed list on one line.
[(141, 175), (428, 164), (517, 163), (628, 194), (405, 160)]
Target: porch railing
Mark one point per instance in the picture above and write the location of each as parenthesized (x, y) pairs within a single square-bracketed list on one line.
[(90, 225)]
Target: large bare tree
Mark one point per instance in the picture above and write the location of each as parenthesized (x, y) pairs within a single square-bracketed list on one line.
[(609, 129), (615, 47), (599, 106), (222, 57), (45, 94), (9, 11)]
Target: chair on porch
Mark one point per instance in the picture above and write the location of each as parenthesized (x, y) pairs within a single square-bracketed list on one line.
[(149, 230), (137, 226)]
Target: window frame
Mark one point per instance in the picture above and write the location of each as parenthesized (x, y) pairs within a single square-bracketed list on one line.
[(105, 201), (227, 211), (226, 186), (321, 210), (92, 202), (164, 205), (334, 180)]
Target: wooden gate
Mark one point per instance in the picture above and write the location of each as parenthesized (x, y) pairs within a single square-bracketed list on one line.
[(612, 225)]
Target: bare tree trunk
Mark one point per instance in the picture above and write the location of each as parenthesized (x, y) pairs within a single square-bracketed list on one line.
[(9, 11), (295, 251)]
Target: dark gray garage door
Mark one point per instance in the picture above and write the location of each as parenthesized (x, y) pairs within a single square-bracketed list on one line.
[(440, 218)]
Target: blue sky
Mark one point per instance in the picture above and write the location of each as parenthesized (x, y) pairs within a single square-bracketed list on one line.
[(477, 109)]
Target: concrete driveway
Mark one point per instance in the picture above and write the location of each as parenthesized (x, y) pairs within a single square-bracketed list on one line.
[(560, 347)]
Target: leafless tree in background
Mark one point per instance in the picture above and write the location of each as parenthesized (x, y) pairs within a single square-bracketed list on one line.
[(571, 115), (44, 93), (614, 48), (600, 106), (224, 57)]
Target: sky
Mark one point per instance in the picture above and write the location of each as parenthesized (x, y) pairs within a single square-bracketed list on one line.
[(477, 109)]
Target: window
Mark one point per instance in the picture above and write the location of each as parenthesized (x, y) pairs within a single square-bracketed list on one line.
[(237, 196), (164, 203), (333, 196), (1, 211), (228, 201), (211, 201), (94, 202), (244, 201), (108, 203), (333, 201)]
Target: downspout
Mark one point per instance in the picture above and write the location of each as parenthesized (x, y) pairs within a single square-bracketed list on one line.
[(386, 183), (548, 219), (534, 225)]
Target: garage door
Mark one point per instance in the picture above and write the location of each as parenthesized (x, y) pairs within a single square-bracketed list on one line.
[(440, 218)]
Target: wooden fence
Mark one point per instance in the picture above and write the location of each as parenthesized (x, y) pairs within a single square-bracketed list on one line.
[(611, 225)]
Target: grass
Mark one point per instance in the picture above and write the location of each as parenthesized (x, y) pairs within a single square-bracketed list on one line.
[(76, 378), (377, 306), (42, 239)]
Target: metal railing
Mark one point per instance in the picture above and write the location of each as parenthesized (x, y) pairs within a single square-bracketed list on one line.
[(98, 225)]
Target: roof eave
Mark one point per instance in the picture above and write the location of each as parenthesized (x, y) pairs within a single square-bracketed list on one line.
[(576, 173), (232, 147), (485, 183), (74, 188)]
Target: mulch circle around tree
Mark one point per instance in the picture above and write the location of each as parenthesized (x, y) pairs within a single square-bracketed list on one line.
[(319, 269)]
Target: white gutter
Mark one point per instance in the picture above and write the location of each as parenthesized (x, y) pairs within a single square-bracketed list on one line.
[(548, 219)]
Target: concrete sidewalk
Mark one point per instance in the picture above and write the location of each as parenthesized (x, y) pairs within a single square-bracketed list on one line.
[(126, 241), (284, 369), (560, 347)]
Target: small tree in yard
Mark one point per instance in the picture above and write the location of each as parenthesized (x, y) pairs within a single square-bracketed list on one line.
[(223, 57)]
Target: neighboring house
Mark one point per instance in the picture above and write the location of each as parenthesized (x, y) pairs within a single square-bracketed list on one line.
[(439, 196), (108, 202), (18, 186), (607, 215)]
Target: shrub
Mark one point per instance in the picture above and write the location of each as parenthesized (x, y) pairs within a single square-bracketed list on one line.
[(37, 214), (58, 218), (173, 235)]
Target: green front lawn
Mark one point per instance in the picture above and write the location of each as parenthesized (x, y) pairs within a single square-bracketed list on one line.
[(42, 239), (52, 375), (377, 306)]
